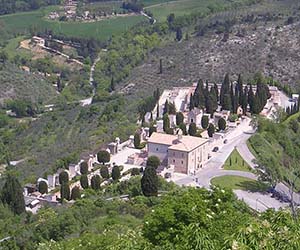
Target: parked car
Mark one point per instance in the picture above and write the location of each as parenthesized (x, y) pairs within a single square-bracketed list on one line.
[(215, 149), (225, 141)]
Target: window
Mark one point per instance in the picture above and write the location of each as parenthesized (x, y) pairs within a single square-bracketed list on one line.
[(173, 161), (173, 153), (181, 162), (182, 154), (156, 149)]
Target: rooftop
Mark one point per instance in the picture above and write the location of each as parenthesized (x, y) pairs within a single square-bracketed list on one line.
[(187, 143)]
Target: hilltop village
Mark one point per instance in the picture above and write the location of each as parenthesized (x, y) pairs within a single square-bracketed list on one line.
[(187, 129)]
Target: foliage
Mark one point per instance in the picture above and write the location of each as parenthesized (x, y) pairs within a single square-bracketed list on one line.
[(43, 187), (64, 191), (63, 177), (149, 182), (221, 124), (179, 118), (192, 129), (236, 162), (211, 130), (204, 121), (116, 173), (103, 156), (153, 161), (137, 140), (12, 194), (75, 193), (84, 181), (84, 168), (95, 182), (104, 172)]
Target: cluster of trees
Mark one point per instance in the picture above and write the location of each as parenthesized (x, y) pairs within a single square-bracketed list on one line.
[(12, 6), (148, 104), (22, 108), (231, 95)]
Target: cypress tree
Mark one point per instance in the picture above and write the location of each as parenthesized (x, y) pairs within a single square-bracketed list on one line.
[(251, 98), (84, 168), (95, 182), (160, 66), (75, 193), (179, 118), (225, 89), (152, 130), (245, 100), (43, 187), (240, 89), (192, 104), (199, 97), (63, 177), (64, 191), (211, 130), (149, 182), (166, 108), (137, 140), (192, 129), (12, 194), (116, 174), (166, 123), (182, 126), (84, 181), (221, 124), (104, 172), (204, 121)]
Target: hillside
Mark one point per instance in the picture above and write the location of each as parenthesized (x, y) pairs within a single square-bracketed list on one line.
[(17, 84), (248, 41)]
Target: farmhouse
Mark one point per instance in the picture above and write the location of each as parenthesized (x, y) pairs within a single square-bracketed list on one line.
[(185, 153)]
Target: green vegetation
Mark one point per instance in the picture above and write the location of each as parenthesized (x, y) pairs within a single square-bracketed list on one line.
[(21, 23), (236, 162), (185, 7), (239, 182)]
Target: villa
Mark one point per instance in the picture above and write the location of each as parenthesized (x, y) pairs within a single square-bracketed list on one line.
[(186, 154)]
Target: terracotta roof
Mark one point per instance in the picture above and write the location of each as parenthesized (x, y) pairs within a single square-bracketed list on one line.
[(187, 143)]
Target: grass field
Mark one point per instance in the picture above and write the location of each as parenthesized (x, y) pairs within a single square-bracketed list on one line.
[(236, 162), (23, 22), (238, 182), (184, 7), (12, 48)]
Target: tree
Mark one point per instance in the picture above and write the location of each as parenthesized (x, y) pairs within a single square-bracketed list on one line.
[(153, 161), (75, 194), (64, 191), (171, 18), (63, 177), (137, 140), (104, 172), (225, 93), (95, 182), (84, 181), (152, 129), (199, 97), (204, 121), (103, 156), (182, 126), (192, 129), (12, 194), (160, 66), (211, 130), (179, 118), (166, 123), (221, 124), (166, 108), (116, 174), (43, 187), (84, 168), (149, 182), (135, 171), (112, 85), (191, 103)]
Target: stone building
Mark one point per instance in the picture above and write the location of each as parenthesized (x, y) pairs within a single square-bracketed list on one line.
[(185, 153)]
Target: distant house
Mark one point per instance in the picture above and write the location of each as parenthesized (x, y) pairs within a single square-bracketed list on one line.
[(185, 153)]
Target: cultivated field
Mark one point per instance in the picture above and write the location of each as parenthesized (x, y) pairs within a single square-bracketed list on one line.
[(26, 21)]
